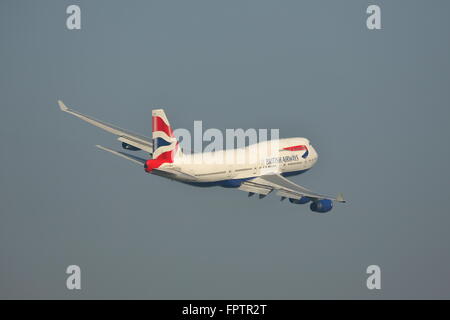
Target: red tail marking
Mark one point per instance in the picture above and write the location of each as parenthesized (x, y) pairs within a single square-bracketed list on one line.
[(158, 124), (165, 157)]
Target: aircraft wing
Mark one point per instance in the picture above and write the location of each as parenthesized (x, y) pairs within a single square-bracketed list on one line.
[(265, 184), (133, 139)]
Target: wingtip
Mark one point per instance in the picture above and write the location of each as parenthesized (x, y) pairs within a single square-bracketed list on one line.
[(340, 198), (62, 106)]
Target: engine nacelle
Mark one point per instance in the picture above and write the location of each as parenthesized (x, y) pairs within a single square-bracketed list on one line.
[(322, 206), (302, 200), (231, 183), (127, 146)]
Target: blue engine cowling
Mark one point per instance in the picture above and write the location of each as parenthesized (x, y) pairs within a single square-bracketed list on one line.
[(322, 206), (232, 183), (302, 200), (127, 146)]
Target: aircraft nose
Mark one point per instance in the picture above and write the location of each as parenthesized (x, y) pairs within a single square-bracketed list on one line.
[(314, 152)]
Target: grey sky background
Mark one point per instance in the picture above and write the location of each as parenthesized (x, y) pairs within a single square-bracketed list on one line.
[(375, 105)]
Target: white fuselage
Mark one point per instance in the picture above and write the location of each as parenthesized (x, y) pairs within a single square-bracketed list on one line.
[(245, 163)]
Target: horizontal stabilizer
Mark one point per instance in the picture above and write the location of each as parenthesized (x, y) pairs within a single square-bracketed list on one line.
[(124, 155)]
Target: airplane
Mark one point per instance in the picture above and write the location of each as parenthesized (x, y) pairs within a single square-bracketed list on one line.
[(261, 175)]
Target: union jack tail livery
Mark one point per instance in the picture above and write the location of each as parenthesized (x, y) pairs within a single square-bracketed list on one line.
[(165, 144)]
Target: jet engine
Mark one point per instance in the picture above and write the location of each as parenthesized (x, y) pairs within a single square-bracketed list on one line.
[(322, 206), (231, 183), (127, 146)]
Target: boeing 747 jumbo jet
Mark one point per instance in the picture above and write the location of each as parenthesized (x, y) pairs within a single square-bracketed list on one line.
[(261, 175)]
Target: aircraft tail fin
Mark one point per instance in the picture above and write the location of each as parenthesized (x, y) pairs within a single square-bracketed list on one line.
[(165, 144)]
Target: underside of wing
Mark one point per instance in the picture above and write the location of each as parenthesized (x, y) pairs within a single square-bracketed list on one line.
[(284, 188), (130, 140)]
